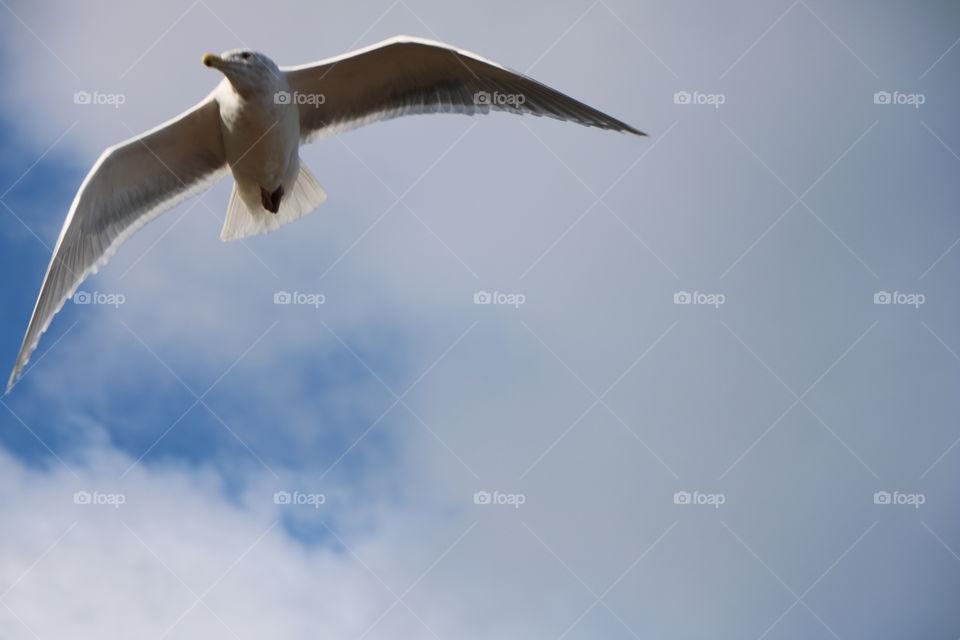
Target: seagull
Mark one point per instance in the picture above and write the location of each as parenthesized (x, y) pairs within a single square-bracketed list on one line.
[(252, 125)]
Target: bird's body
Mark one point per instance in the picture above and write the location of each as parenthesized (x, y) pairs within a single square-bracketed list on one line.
[(261, 137), (253, 124)]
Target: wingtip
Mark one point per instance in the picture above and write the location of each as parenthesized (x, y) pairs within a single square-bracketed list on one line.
[(23, 357), (14, 375), (622, 127)]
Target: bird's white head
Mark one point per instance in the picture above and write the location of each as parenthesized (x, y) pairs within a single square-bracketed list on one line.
[(248, 71)]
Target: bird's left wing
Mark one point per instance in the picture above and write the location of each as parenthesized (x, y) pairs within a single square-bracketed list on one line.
[(407, 75), (129, 185)]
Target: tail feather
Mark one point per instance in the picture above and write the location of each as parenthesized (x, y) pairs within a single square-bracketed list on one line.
[(244, 220)]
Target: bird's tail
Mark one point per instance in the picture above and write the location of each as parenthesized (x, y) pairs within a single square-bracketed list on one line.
[(245, 220)]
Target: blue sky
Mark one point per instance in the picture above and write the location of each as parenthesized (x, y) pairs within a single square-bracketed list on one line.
[(783, 199)]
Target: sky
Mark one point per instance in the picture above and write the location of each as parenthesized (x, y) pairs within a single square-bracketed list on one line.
[(712, 395)]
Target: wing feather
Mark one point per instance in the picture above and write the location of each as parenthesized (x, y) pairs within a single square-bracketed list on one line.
[(406, 75), (130, 184)]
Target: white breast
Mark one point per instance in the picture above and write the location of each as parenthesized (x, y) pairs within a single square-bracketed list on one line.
[(261, 138)]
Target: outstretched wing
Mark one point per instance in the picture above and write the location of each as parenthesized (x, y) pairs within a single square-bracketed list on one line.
[(130, 184), (406, 75)]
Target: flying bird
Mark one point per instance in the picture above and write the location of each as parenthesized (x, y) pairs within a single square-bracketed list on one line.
[(253, 124)]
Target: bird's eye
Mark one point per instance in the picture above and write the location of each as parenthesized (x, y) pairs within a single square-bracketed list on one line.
[(246, 55)]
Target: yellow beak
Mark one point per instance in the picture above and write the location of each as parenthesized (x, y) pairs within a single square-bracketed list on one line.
[(211, 60)]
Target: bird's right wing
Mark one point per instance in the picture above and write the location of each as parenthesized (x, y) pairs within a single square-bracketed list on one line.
[(129, 185), (407, 75)]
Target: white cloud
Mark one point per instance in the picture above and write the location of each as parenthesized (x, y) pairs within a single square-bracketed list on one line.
[(98, 571)]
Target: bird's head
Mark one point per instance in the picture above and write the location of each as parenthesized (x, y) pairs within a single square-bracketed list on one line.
[(245, 69)]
